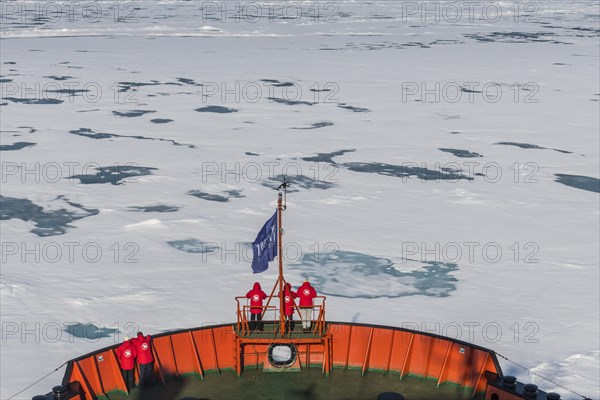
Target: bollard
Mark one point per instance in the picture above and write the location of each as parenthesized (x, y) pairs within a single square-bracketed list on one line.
[(59, 392), (509, 382), (530, 390)]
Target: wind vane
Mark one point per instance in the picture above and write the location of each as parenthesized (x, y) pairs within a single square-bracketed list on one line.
[(284, 186)]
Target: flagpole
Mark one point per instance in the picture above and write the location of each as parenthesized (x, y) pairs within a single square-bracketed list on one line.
[(280, 244)]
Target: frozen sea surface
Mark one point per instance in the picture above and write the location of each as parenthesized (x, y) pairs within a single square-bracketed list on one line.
[(444, 169)]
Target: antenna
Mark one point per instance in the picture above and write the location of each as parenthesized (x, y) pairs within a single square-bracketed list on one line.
[(284, 186)]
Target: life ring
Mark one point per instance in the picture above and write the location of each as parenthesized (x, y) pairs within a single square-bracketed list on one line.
[(282, 355)]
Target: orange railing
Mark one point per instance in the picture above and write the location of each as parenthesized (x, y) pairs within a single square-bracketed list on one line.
[(272, 314), (268, 313), (319, 311)]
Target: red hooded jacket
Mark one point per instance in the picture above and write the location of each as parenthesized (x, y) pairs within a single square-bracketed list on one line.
[(306, 294), (143, 346), (288, 299), (256, 296), (126, 354)]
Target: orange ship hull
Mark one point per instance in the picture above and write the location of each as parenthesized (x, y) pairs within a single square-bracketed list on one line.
[(344, 345)]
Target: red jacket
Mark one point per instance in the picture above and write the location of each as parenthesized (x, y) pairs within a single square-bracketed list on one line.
[(288, 300), (126, 354), (143, 346), (256, 296), (306, 294)]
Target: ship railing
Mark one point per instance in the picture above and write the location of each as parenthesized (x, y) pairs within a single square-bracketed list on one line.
[(317, 315), (268, 313), (271, 317)]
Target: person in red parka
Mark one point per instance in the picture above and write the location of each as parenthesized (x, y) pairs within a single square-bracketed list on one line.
[(126, 354), (289, 306), (143, 346), (306, 294), (256, 296)]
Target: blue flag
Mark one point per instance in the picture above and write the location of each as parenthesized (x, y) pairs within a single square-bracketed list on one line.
[(264, 247)]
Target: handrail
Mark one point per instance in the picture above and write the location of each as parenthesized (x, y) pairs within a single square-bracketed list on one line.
[(242, 324), (317, 315)]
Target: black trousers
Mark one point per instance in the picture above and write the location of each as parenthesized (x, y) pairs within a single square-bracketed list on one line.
[(146, 375), (256, 322), (290, 324), (129, 378)]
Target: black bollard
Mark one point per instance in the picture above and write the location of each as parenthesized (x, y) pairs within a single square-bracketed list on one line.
[(530, 390), (59, 392), (509, 382)]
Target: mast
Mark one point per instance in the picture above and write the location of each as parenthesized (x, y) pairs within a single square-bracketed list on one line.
[(280, 252), (281, 205)]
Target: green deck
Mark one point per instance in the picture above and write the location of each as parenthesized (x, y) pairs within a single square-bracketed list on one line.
[(309, 384)]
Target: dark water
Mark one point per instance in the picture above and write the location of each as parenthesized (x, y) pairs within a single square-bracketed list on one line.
[(30, 129), (352, 108), (316, 125), (113, 174), (532, 146), (48, 223), (59, 78), (127, 86), (16, 146), (65, 63), (461, 153), (321, 90), (161, 120), (194, 246), (208, 196), (290, 102), (327, 157), (283, 84), (277, 83), (70, 92), (356, 275), (234, 194), (466, 90), (580, 182), (133, 113), (160, 208), (90, 133), (515, 37), (389, 45), (188, 81), (42, 101), (298, 182), (217, 109), (521, 145), (89, 331), (405, 171)]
